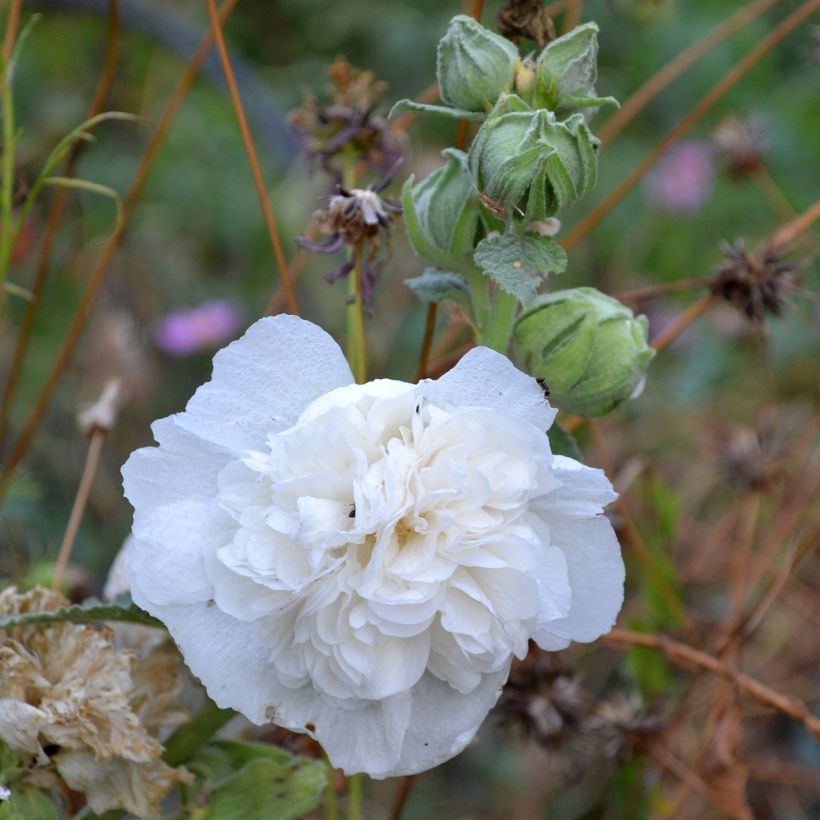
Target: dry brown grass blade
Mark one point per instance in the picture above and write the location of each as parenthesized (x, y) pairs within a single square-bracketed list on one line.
[(106, 256), (12, 25)]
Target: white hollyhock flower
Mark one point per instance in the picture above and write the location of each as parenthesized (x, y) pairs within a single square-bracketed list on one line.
[(362, 562)]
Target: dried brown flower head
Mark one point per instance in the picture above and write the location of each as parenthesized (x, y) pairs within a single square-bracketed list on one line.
[(359, 215), (742, 146), (69, 703), (756, 283), (545, 700), (621, 726), (526, 18), (349, 123)]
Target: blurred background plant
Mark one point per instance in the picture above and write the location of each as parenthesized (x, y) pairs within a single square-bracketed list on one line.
[(164, 254)]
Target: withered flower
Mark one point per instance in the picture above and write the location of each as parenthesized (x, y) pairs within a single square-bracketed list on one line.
[(526, 18), (755, 283), (741, 145), (545, 700), (621, 726), (70, 705), (358, 216), (349, 123)]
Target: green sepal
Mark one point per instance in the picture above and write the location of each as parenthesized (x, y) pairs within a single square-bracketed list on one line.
[(91, 610), (436, 286), (410, 106)]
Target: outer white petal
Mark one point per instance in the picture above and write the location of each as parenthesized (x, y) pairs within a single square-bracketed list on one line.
[(262, 382), (596, 576), (484, 378), (584, 490)]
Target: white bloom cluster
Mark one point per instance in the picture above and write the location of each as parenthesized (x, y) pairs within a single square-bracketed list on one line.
[(362, 562)]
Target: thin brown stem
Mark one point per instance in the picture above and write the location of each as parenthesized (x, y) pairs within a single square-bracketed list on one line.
[(106, 256), (407, 784), (92, 459), (678, 65), (253, 160), (687, 656), (572, 17), (427, 342), (712, 97), (669, 334), (653, 291), (12, 25), (788, 233), (53, 223)]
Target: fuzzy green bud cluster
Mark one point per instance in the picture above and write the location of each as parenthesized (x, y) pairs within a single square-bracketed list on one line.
[(591, 350)]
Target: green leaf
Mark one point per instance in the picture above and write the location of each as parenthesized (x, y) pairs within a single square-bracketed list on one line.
[(27, 803), (436, 285), (254, 781), (122, 609), (562, 443), (409, 106), (518, 262), (186, 741)]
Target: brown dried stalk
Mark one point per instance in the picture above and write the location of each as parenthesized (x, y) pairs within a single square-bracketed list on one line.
[(678, 65), (11, 29), (261, 190), (712, 97), (106, 256), (687, 656)]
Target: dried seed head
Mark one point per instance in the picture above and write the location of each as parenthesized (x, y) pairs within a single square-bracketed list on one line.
[(621, 726), (741, 144), (526, 18), (356, 214), (546, 701), (756, 284), (348, 123)]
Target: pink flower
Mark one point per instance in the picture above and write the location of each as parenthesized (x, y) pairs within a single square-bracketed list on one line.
[(201, 328), (682, 180)]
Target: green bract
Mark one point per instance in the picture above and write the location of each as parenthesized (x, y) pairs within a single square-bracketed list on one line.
[(475, 67), (441, 214), (591, 350), (567, 70), (531, 163)]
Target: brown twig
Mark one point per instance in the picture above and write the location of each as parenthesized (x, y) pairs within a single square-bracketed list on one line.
[(678, 65), (670, 333), (788, 233), (106, 256), (256, 171), (53, 223), (574, 10), (686, 656), (92, 459), (712, 97)]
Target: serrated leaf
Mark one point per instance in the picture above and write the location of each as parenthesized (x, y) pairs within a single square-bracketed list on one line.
[(92, 610), (409, 106), (436, 285), (562, 443), (254, 781), (518, 262)]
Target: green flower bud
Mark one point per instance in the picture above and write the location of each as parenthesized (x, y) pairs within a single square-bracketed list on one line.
[(567, 70), (475, 66), (591, 350), (441, 214), (529, 163)]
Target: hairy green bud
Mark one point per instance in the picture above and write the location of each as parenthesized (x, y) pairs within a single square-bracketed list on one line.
[(591, 350), (567, 70), (441, 214), (530, 163), (475, 66)]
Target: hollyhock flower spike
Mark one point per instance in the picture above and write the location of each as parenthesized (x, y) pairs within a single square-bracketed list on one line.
[(362, 562)]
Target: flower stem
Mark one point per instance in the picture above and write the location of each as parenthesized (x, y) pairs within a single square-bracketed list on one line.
[(8, 232), (356, 353), (355, 785), (427, 341), (331, 807), (497, 330)]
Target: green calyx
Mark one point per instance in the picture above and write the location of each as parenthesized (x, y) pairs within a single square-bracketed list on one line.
[(591, 350), (529, 162)]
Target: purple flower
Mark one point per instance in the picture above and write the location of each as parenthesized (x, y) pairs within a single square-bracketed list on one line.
[(205, 327), (682, 180)]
